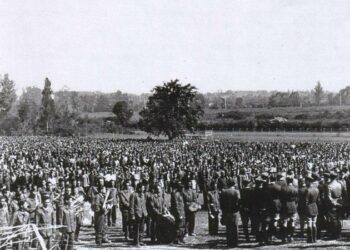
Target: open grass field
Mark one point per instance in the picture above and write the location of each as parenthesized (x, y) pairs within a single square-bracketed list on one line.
[(246, 136), (204, 241)]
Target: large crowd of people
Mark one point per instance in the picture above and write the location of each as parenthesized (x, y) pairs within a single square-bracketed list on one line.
[(266, 186)]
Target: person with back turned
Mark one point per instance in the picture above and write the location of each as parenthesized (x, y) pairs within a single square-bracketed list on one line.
[(335, 203), (229, 202)]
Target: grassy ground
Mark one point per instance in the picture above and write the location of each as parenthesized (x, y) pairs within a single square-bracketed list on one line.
[(204, 241)]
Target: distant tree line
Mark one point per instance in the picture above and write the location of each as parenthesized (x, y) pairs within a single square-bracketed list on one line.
[(171, 109)]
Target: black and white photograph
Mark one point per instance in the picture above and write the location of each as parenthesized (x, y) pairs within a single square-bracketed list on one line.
[(174, 124)]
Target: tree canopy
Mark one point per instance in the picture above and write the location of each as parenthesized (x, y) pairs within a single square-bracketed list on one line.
[(7, 94), (123, 112), (47, 106), (171, 110)]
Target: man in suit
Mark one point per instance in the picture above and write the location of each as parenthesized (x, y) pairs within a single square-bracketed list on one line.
[(138, 213), (45, 217), (322, 204), (229, 203), (177, 209), (261, 202), (156, 209), (124, 206), (213, 208), (302, 204), (190, 197), (69, 221), (246, 206)]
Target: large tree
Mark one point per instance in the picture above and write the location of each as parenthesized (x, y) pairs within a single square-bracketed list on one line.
[(47, 106), (7, 94), (318, 93), (171, 109), (29, 108), (123, 112)]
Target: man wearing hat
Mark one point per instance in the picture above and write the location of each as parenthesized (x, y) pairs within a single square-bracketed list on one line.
[(260, 210), (311, 210), (229, 203), (274, 189), (302, 191), (335, 203), (246, 206), (289, 197), (321, 222)]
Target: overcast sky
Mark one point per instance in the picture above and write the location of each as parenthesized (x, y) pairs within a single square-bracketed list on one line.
[(216, 45)]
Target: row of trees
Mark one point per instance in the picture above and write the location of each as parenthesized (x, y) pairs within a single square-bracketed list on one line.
[(171, 110)]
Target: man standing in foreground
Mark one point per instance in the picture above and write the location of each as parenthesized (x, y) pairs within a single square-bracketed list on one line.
[(178, 211), (229, 202)]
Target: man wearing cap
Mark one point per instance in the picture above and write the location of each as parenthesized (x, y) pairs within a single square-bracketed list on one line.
[(289, 197), (100, 209), (124, 205), (335, 203), (229, 203)]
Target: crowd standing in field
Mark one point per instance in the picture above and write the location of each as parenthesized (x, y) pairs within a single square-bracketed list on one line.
[(45, 182)]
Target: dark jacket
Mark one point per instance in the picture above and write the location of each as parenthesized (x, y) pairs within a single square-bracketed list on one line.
[(311, 198), (190, 197), (124, 197), (230, 200), (156, 205), (275, 197), (177, 208), (137, 205), (68, 220), (289, 198), (213, 202)]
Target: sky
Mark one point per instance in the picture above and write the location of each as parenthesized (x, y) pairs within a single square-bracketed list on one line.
[(134, 45)]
